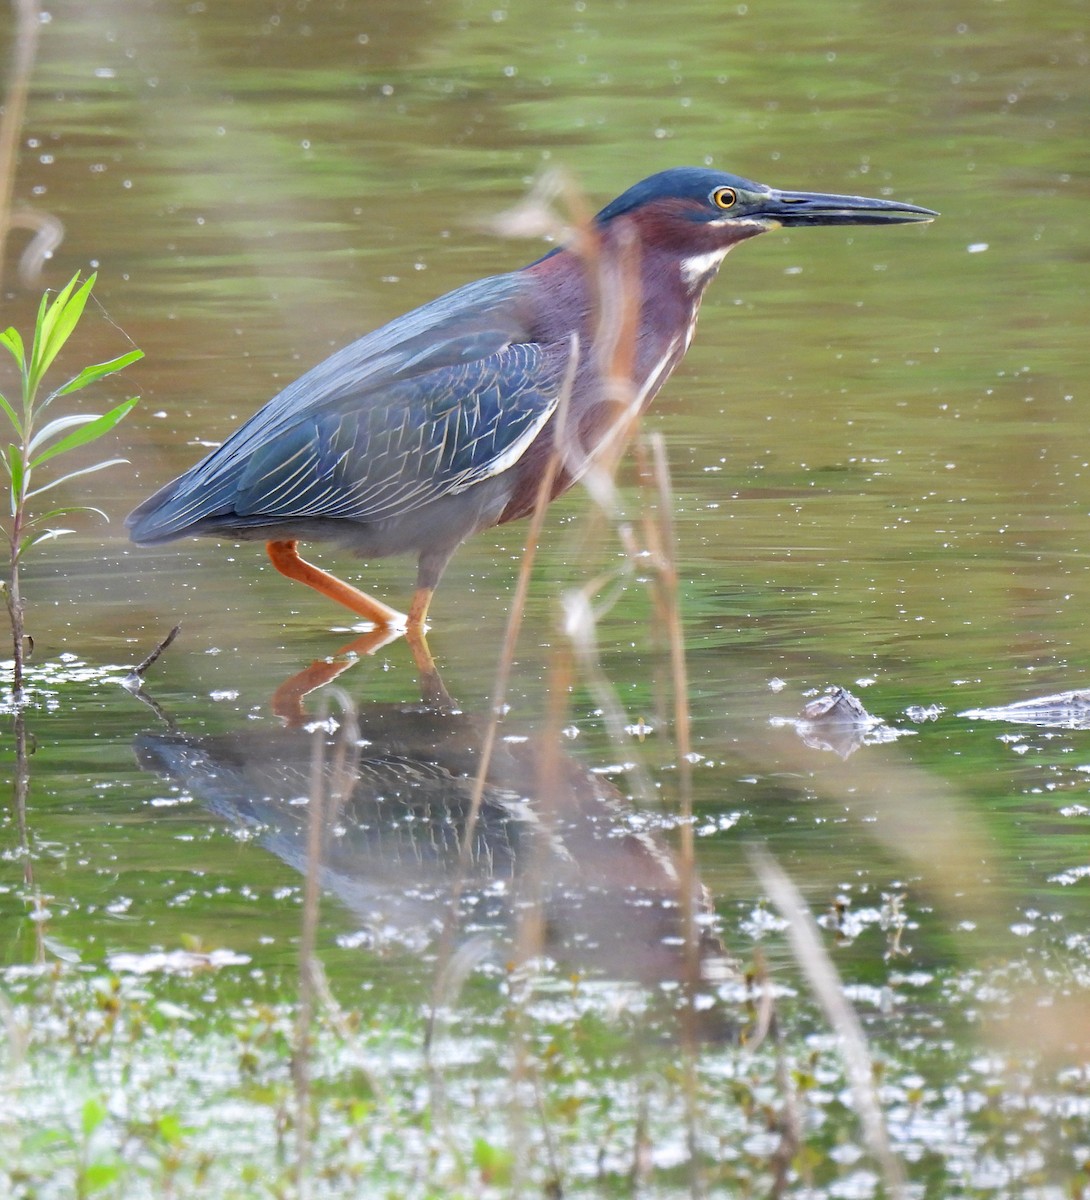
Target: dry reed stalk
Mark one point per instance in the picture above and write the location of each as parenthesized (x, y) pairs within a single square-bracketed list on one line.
[(616, 294), (331, 786), (48, 230), (535, 217), (764, 1008), (790, 1118), (910, 812), (616, 332), (450, 967), (790, 1122), (663, 543), (817, 966), (530, 932), (618, 298), (498, 699)]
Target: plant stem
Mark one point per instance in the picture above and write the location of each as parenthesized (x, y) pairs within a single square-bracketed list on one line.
[(14, 597)]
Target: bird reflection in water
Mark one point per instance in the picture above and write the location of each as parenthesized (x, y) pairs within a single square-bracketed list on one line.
[(551, 838)]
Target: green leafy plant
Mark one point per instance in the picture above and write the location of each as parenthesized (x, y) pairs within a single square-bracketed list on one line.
[(38, 442)]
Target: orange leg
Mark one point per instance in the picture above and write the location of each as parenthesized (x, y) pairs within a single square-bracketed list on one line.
[(285, 558), (418, 609)]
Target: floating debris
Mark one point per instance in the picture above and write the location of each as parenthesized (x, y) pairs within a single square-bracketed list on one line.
[(919, 713), (1064, 710), (837, 721), (134, 680), (837, 707)]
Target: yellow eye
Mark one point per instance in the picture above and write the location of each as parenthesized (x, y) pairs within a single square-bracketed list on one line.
[(724, 197)]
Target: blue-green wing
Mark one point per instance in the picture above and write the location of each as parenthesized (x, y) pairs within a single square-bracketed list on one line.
[(422, 438), (424, 407)]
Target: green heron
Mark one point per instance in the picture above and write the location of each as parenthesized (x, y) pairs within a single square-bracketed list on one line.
[(443, 422)]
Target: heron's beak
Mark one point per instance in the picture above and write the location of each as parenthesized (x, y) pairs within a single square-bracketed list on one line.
[(816, 208)]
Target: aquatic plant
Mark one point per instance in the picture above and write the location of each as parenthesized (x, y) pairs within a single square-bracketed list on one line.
[(37, 442)]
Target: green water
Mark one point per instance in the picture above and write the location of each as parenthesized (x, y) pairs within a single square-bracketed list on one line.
[(877, 445)]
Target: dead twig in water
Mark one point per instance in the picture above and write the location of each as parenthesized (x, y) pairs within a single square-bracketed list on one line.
[(133, 683), (135, 678)]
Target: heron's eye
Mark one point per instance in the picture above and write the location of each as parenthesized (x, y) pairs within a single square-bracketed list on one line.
[(724, 197)]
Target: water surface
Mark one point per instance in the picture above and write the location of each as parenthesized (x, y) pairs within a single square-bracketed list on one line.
[(877, 441)]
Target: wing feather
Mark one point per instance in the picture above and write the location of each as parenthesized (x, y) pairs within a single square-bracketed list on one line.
[(424, 407), (433, 435)]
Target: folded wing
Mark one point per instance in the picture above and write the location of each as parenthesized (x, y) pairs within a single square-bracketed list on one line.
[(400, 418)]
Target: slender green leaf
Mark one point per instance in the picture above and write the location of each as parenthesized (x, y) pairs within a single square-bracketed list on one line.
[(60, 321), (46, 1139), (59, 426), (62, 950), (15, 470), (11, 414), (43, 329), (110, 462), (68, 318), (55, 324), (88, 433), (50, 535), (33, 539), (11, 339), (98, 371), (171, 1129), (64, 511), (39, 323)]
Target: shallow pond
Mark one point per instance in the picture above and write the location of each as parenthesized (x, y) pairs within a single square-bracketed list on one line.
[(882, 482)]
